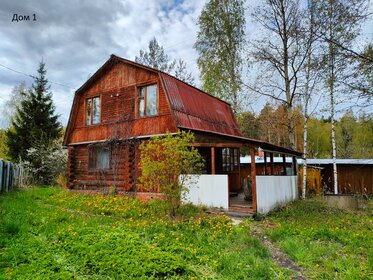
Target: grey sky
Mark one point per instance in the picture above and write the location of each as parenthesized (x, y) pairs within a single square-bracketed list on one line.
[(76, 37)]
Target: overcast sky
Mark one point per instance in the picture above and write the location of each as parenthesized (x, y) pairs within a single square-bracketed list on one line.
[(76, 37)]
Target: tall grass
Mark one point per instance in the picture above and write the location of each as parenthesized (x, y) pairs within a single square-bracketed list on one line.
[(329, 243), (47, 233)]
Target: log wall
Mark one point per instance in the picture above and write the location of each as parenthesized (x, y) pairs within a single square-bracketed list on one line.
[(118, 90)]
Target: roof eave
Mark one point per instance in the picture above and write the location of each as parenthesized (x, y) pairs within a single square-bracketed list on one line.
[(264, 145)]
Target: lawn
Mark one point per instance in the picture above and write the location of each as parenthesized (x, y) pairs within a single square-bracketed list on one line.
[(49, 233), (328, 243)]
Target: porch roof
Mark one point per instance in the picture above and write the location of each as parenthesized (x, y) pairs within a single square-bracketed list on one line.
[(265, 146)]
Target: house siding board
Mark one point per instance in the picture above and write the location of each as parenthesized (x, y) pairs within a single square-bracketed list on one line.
[(117, 87), (118, 91), (352, 178)]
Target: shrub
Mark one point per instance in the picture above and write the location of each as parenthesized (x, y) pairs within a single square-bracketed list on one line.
[(164, 160), (46, 162)]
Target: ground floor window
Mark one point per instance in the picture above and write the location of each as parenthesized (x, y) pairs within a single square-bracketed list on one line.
[(99, 157), (230, 159)]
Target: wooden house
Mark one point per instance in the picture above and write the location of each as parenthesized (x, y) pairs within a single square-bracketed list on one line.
[(124, 103)]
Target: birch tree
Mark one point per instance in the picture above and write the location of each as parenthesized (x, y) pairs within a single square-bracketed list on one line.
[(280, 54), (311, 79), (220, 43), (10, 106), (340, 22)]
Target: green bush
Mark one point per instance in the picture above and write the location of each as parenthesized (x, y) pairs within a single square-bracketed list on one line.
[(163, 161)]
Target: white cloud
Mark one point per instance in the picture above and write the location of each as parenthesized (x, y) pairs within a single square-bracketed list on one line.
[(76, 37)]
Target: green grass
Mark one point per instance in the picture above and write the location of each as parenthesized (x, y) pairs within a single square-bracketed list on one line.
[(48, 233), (328, 243)]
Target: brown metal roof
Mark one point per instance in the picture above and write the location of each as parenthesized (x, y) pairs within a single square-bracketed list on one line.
[(195, 109)]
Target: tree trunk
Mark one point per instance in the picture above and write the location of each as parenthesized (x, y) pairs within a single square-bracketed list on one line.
[(307, 96), (291, 129), (331, 92), (334, 148), (305, 155)]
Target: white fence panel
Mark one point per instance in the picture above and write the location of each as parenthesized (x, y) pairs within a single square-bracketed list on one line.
[(209, 190), (273, 191)]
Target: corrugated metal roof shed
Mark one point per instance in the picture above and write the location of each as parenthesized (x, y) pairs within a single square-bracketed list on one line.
[(247, 159), (340, 161), (313, 161), (195, 109)]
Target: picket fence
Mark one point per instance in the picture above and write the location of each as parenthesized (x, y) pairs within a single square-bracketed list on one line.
[(10, 176)]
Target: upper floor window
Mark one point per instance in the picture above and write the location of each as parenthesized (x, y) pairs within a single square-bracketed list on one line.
[(93, 110), (147, 101)]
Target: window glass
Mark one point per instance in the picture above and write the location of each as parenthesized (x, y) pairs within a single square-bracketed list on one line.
[(230, 159), (151, 100), (103, 158), (96, 110), (142, 102), (89, 105), (147, 101), (93, 110), (99, 158)]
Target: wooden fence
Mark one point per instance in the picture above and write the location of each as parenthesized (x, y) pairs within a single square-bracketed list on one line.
[(10, 176)]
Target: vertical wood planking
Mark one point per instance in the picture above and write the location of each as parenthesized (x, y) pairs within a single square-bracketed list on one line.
[(253, 177), (7, 176), (213, 160), (272, 166)]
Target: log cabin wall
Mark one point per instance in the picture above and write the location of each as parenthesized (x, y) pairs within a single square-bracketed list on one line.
[(84, 177), (118, 90)]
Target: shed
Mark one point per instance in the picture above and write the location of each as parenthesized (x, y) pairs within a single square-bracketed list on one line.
[(355, 176)]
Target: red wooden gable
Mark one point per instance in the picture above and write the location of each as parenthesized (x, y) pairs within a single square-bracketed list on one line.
[(181, 105)]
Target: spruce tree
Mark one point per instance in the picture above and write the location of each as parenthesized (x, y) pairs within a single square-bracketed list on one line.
[(35, 119), (157, 58)]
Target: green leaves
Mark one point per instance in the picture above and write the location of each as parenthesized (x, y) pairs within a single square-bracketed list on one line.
[(34, 120), (220, 42), (163, 160), (62, 235), (329, 243)]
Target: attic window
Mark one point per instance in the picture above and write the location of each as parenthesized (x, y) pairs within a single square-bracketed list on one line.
[(147, 101), (93, 110)]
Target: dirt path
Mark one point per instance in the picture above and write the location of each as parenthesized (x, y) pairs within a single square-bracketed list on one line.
[(279, 257)]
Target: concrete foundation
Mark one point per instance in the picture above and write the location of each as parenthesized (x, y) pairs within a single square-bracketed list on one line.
[(344, 201)]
